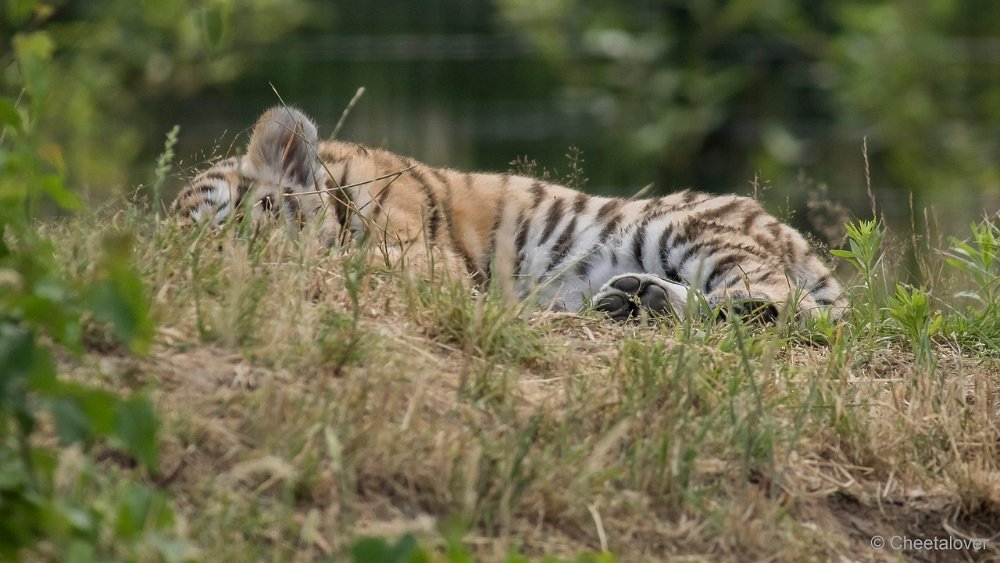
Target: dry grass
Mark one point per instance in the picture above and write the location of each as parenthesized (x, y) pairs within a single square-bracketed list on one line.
[(307, 399)]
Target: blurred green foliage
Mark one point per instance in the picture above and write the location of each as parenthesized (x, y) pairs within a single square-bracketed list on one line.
[(110, 65), (716, 90), (52, 506)]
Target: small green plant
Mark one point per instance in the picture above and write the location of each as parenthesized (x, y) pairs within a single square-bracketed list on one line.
[(910, 308), (976, 320), (865, 254), (163, 164), (979, 258)]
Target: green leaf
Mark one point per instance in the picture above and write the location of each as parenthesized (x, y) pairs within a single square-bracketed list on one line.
[(119, 297), (842, 253), (13, 474), (215, 19), (97, 405), (135, 426), (72, 423), (37, 45), (142, 510), (49, 308), (56, 188), (17, 357), (405, 549), (378, 550), (370, 550), (9, 116), (81, 519), (23, 365), (133, 511)]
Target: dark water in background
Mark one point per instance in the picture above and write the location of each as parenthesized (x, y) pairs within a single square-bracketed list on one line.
[(454, 89)]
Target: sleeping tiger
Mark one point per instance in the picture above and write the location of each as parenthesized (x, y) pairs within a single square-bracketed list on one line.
[(672, 255)]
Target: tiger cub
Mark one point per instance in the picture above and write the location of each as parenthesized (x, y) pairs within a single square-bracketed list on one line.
[(564, 248)]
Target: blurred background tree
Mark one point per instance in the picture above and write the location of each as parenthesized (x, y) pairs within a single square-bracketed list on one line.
[(714, 93), (702, 93), (119, 62)]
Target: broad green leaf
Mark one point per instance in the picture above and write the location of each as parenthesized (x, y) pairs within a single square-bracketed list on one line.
[(56, 189), (13, 474), (141, 510), (23, 365), (133, 511), (97, 405), (215, 20), (48, 309), (371, 550), (81, 519), (118, 296), (135, 426), (17, 355), (9, 116), (405, 549), (72, 423), (33, 52), (37, 45)]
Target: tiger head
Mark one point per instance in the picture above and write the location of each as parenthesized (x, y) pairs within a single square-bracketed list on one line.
[(278, 176)]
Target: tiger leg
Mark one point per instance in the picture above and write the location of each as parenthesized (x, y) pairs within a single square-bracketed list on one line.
[(624, 295)]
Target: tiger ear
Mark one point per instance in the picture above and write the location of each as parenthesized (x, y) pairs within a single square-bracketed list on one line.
[(283, 146)]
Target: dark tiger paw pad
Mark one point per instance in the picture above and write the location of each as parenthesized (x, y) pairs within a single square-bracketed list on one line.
[(612, 303), (623, 297)]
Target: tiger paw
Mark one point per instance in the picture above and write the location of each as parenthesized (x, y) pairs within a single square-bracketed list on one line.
[(625, 295), (758, 310)]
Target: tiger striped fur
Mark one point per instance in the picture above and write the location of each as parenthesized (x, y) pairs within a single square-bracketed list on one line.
[(563, 247)]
